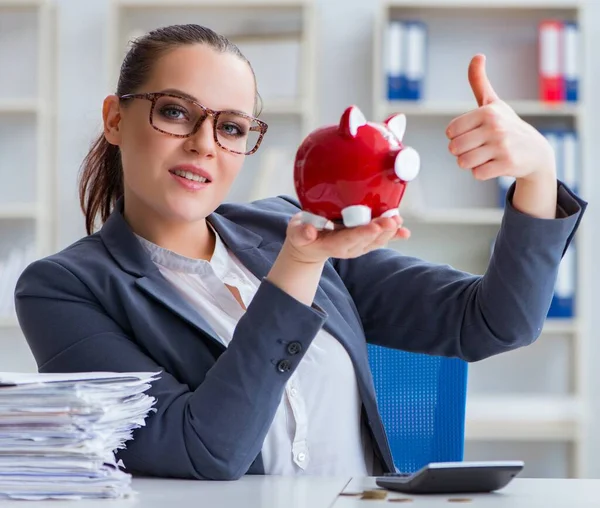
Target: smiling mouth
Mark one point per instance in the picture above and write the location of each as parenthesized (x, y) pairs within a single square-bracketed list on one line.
[(188, 175)]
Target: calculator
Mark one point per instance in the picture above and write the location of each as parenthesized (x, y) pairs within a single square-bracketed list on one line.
[(453, 477)]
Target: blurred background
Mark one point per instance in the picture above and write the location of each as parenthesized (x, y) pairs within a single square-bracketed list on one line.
[(59, 59)]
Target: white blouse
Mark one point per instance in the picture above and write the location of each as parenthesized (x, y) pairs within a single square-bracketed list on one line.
[(317, 428)]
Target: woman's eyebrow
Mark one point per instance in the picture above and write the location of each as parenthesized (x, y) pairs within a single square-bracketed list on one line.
[(192, 98)]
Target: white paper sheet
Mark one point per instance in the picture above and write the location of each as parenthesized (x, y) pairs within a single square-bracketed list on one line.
[(59, 432)]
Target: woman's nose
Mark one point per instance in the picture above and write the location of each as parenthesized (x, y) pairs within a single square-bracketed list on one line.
[(202, 142)]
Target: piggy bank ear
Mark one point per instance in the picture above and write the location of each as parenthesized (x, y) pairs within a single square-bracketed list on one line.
[(351, 120), (397, 124)]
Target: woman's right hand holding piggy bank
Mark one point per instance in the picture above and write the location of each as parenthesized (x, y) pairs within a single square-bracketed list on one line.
[(300, 263)]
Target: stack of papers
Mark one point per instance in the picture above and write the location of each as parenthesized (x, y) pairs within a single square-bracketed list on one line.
[(59, 432)]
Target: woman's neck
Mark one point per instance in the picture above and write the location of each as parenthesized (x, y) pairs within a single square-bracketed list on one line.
[(191, 239)]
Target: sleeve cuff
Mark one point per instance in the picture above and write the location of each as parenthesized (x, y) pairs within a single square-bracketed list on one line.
[(567, 204), (276, 331), (569, 211)]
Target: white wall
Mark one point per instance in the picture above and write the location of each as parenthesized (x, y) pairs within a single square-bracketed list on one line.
[(344, 77)]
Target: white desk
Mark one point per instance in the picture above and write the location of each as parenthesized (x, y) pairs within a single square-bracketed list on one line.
[(248, 492), (304, 492), (520, 493)]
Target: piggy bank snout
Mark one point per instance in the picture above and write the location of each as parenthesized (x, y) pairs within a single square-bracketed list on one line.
[(407, 164)]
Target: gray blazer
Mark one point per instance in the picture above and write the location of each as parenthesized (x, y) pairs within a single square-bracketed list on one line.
[(102, 305)]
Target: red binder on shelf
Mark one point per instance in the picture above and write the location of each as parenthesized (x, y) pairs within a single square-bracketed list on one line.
[(552, 83)]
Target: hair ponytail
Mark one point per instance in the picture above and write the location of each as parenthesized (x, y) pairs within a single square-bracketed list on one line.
[(100, 182)]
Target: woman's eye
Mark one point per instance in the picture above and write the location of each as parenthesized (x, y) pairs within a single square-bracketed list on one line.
[(231, 129), (172, 113)]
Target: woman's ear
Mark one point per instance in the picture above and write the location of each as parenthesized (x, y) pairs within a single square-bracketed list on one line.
[(111, 115)]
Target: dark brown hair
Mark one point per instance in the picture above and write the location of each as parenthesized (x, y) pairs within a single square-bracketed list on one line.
[(101, 173)]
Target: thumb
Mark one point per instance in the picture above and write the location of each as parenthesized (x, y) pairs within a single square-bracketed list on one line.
[(480, 84), (301, 234)]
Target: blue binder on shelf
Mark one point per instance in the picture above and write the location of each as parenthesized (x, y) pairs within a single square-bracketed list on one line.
[(568, 170), (571, 60), (563, 300), (415, 46), (565, 143), (406, 59), (394, 60)]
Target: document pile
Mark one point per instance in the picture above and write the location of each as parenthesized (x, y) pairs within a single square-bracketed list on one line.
[(59, 432)]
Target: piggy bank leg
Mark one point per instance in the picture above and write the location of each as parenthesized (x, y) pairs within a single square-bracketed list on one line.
[(316, 220), (392, 212), (356, 215)]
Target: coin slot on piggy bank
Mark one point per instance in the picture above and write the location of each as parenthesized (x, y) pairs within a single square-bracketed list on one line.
[(355, 171)]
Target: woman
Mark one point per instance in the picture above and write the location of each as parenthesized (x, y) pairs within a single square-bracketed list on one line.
[(257, 322)]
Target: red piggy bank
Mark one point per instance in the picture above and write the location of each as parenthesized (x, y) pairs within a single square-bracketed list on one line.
[(353, 172)]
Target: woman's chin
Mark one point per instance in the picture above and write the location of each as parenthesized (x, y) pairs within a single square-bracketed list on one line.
[(187, 212)]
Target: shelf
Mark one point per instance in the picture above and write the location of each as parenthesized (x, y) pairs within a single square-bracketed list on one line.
[(557, 326), (487, 4), (283, 107), (8, 322), (519, 418), (18, 211), (455, 108), (18, 106), (212, 3), (21, 4), (472, 216)]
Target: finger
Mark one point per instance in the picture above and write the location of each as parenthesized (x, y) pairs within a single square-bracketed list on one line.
[(301, 234), (381, 240), (389, 228), (489, 170), (465, 123), (402, 234), (354, 241), (467, 141), (480, 84), (389, 223), (476, 157), (296, 218), (367, 231)]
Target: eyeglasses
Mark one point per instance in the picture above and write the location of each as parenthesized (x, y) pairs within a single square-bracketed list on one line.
[(181, 117)]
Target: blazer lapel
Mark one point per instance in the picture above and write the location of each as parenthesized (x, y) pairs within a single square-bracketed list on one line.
[(133, 258), (162, 291), (256, 255)]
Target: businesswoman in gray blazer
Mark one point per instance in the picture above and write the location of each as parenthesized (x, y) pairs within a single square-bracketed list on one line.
[(259, 323)]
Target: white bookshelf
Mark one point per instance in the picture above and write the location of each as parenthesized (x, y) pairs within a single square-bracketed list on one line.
[(523, 418), (534, 398), (279, 39), (27, 92), (454, 108), (473, 216)]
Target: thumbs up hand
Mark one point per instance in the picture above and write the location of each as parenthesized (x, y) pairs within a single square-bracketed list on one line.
[(493, 141)]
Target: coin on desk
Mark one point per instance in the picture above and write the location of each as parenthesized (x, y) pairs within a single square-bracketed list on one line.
[(374, 494)]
